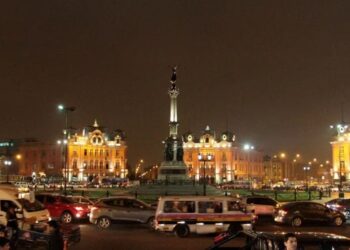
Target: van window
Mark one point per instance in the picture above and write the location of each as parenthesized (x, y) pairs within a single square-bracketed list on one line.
[(209, 207), (233, 206), (179, 207)]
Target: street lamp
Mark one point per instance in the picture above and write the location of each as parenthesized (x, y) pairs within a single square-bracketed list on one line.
[(66, 111), (307, 169), (7, 163), (205, 158), (247, 147)]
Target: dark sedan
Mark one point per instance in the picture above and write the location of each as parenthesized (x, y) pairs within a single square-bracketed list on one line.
[(250, 240), (296, 213), (341, 205)]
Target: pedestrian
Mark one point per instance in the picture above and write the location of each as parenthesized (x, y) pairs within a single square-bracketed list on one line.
[(4, 243), (56, 237), (290, 242), (12, 224)]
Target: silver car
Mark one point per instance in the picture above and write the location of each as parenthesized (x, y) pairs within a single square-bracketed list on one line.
[(113, 209)]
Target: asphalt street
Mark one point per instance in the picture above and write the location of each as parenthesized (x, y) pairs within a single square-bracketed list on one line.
[(137, 236)]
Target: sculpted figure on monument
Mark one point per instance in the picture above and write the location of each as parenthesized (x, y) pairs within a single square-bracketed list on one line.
[(168, 151), (180, 154)]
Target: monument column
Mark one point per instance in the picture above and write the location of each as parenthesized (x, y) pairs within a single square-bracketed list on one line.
[(173, 167)]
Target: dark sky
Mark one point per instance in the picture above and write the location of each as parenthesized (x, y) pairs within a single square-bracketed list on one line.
[(273, 72)]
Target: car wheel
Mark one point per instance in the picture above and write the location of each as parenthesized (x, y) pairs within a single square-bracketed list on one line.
[(151, 223), (182, 231), (103, 222), (297, 222), (66, 217), (338, 221)]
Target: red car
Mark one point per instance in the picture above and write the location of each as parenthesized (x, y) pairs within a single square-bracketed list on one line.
[(64, 208)]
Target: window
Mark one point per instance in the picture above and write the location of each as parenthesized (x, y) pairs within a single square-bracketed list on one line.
[(115, 202), (50, 199), (85, 152), (40, 198), (210, 207), (233, 206), (179, 206), (224, 157), (5, 204)]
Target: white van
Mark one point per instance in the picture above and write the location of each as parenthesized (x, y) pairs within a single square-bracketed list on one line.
[(30, 211), (201, 214)]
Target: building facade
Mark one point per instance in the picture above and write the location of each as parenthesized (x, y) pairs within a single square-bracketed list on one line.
[(95, 155), (274, 170), (90, 154), (39, 158), (230, 162), (341, 154)]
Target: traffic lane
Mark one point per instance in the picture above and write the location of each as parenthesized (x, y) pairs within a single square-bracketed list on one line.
[(137, 236)]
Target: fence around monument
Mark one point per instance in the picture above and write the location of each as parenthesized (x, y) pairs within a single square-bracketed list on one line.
[(152, 197)]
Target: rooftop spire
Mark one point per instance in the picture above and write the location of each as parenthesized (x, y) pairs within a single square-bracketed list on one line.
[(95, 124)]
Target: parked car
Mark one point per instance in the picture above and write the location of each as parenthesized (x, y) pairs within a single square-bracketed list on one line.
[(296, 213), (250, 240), (64, 208), (121, 208), (341, 205), (260, 205)]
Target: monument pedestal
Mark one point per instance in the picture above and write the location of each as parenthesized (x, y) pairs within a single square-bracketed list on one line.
[(172, 171)]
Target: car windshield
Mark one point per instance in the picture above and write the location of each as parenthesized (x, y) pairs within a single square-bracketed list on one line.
[(31, 206)]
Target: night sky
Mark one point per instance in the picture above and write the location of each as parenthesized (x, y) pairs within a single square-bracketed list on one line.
[(273, 72)]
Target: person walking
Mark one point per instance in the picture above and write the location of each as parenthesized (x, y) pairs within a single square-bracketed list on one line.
[(12, 225)]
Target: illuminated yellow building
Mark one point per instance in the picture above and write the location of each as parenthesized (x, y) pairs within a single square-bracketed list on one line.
[(230, 161), (341, 154), (95, 155)]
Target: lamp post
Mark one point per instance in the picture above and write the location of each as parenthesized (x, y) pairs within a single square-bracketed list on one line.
[(307, 169), (66, 111), (247, 147), (7, 163), (205, 158)]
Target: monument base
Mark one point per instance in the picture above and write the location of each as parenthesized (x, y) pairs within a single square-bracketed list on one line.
[(172, 171)]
